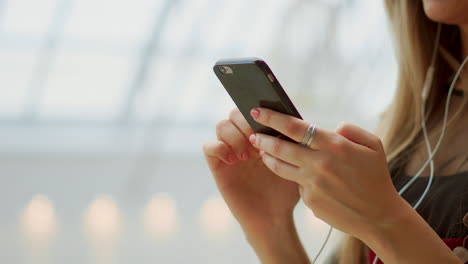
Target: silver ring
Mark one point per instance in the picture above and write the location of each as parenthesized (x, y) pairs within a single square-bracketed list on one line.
[(309, 136)]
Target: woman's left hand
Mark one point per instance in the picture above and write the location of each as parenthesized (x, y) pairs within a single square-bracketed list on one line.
[(343, 176)]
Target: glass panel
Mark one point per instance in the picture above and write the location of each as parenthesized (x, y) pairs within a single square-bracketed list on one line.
[(111, 20), (28, 16), (87, 86), (16, 67), (157, 89)]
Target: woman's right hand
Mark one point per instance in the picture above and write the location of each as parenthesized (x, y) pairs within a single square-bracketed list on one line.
[(261, 201), (257, 197)]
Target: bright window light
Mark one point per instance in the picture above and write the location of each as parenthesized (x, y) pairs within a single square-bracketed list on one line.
[(16, 68), (110, 20), (86, 86), (28, 16)]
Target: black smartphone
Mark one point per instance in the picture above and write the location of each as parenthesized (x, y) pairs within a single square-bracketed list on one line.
[(251, 83)]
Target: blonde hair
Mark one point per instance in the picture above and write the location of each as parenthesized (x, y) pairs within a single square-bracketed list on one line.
[(400, 126)]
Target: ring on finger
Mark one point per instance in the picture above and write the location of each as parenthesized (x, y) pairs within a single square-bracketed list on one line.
[(309, 136)]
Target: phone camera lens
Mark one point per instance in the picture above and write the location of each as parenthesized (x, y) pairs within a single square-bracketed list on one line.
[(225, 70)]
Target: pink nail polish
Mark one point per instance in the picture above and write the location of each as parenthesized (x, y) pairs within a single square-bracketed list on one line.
[(255, 113), (261, 152), (252, 139)]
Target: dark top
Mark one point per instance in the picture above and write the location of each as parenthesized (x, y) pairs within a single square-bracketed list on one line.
[(445, 204)]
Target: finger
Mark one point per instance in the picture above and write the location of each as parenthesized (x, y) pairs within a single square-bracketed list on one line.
[(301, 190), (281, 168), (297, 155), (215, 152), (359, 136), (290, 152), (240, 122), (291, 126), (227, 132)]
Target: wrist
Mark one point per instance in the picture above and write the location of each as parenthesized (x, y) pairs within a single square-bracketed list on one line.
[(278, 242), (380, 236), (407, 238), (397, 217), (262, 231)]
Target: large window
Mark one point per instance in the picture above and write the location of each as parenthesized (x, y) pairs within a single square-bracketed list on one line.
[(126, 64), (105, 104)]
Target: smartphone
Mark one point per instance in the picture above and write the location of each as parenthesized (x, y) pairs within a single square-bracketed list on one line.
[(251, 83)]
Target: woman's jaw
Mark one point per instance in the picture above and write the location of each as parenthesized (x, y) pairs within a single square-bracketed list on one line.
[(447, 11), (453, 12)]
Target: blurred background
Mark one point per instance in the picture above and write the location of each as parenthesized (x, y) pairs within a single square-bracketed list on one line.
[(105, 105)]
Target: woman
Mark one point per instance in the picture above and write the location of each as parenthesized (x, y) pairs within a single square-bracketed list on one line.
[(345, 177)]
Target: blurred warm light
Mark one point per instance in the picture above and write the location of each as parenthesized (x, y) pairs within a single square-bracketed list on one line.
[(102, 220), (215, 217), (313, 223), (38, 220), (160, 216)]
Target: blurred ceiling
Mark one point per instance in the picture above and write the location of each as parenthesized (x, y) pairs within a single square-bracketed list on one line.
[(96, 74)]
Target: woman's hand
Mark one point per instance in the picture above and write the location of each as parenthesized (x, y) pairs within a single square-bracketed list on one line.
[(343, 176), (262, 202)]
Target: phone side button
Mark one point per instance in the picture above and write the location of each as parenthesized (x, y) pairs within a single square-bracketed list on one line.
[(271, 77)]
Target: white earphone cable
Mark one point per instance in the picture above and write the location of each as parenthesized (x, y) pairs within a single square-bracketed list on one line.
[(447, 104), (425, 93), (429, 151), (323, 245)]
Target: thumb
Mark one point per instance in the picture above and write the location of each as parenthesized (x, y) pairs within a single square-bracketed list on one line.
[(359, 136)]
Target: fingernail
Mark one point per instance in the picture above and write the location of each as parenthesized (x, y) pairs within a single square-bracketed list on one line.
[(245, 155), (255, 113), (261, 152), (252, 139)]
